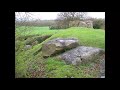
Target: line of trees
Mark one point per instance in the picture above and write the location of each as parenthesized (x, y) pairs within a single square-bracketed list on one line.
[(39, 23)]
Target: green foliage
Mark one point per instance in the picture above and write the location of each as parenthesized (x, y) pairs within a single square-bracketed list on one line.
[(58, 69), (99, 23)]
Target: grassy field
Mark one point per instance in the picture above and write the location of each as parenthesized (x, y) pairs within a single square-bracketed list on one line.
[(28, 64)]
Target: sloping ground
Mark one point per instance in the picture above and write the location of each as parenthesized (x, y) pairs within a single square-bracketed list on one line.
[(31, 64)]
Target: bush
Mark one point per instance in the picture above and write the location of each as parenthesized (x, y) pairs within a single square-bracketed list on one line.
[(99, 24), (58, 27)]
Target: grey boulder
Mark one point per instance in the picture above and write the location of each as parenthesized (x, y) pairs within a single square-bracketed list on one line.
[(81, 54), (58, 45)]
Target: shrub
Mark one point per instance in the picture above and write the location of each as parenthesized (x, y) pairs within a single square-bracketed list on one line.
[(99, 24)]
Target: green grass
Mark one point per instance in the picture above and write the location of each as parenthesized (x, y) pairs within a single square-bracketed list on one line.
[(24, 31), (58, 69), (28, 64), (87, 37)]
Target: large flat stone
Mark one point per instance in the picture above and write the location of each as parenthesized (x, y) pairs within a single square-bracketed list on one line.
[(81, 54), (58, 45)]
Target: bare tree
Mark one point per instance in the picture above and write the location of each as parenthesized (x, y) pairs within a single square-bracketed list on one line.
[(64, 18), (71, 15), (23, 19)]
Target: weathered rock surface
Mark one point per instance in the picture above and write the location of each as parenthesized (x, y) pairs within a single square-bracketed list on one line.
[(58, 45), (102, 68), (77, 23), (89, 24), (37, 39), (82, 24), (81, 54)]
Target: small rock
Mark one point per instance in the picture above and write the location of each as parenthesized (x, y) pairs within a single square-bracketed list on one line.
[(28, 47)]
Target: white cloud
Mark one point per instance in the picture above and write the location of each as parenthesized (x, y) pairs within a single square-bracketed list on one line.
[(53, 15), (44, 15), (97, 14)]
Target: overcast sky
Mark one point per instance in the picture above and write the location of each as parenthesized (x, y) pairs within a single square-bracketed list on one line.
[(53, 15)]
